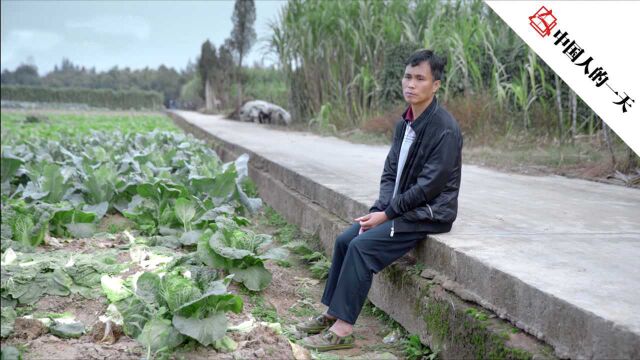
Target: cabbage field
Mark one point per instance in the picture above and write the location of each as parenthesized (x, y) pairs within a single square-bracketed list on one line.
[(63, 179)]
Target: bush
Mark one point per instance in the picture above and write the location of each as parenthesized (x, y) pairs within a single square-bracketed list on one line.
[(100, 98)]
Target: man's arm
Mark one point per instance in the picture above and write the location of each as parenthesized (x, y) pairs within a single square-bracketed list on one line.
[(431, 180), (388, 179)]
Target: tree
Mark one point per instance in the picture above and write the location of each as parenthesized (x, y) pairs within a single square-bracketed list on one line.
[(243, 34), (207, 69), (25, 74), (225, 66), (167, 81)]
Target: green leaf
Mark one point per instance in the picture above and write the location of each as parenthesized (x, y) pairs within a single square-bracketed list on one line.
[(178, 290), (185, 211), (8, 319), (242, 221), (33, 191), (190, 237), (114, 288), (99, 209), (225, 345), (65, 216), (134, 315), (251, 204), (299, 247), (231, 253), (67, 330), (22, 229), (255, 277), (59, 283), (9, 165), (148, 287), (206, 331), (212, 301), (10, 353), (222, 185), (158, 334), (53, 182), (148, 190), (207, 255), (100, 184), (276, 253), (218, 243)]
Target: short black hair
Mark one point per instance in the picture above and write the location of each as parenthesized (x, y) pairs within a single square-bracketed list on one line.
[(436, 63)]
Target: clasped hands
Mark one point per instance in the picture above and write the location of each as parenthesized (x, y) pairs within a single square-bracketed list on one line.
[(371, 220)]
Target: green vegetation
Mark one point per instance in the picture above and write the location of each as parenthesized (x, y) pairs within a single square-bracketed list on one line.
[(186, 301), (56, 126), (240, 252), (308, 248), (27, 277), (351, 58), (415, 350), (11, 353), (262, 311), (184, 208), (164, 80), (159, 181), (267, 84), (97, 98), (317, 261), (477, 314)]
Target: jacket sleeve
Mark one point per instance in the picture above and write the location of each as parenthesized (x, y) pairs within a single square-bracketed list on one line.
[(388, 179), (432, 178)]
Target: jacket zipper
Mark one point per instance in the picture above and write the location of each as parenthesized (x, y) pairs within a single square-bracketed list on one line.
[(392, 223)]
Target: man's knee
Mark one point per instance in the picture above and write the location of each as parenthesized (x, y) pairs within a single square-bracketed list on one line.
[(360, 243), (343, 239), (347, 236)]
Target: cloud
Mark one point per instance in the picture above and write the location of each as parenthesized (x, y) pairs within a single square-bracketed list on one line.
[(5, 58), (31, 40), (22, 43), (127, 25)]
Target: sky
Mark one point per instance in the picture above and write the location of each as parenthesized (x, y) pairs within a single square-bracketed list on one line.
[(133, 34)]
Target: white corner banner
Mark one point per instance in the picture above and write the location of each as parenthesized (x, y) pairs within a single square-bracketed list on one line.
[(593, 47)]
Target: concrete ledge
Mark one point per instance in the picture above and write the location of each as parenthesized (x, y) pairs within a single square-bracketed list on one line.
[(575, 333), (443, 320), (456, 328)]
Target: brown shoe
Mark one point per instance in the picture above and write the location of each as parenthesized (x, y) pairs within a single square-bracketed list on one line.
[(328, 340), (315, 325)]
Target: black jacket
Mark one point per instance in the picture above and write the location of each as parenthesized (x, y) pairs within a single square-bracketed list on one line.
[(427, 198)]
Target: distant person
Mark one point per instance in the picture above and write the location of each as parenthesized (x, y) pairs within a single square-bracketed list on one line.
[(418, 196)]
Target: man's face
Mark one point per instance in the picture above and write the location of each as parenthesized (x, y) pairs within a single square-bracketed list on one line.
[(417, 83)]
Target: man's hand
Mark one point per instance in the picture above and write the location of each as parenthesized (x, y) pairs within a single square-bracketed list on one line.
[(371, 220)]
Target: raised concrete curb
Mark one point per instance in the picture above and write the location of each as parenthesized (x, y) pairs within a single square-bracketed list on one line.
[(445, 321)]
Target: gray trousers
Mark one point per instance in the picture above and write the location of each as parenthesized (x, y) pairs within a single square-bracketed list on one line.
[(355, 259)]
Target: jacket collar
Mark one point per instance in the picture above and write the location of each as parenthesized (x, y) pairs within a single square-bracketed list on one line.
[(421, 121)]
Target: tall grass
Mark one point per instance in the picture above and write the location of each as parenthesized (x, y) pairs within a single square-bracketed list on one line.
[(332, 53)]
